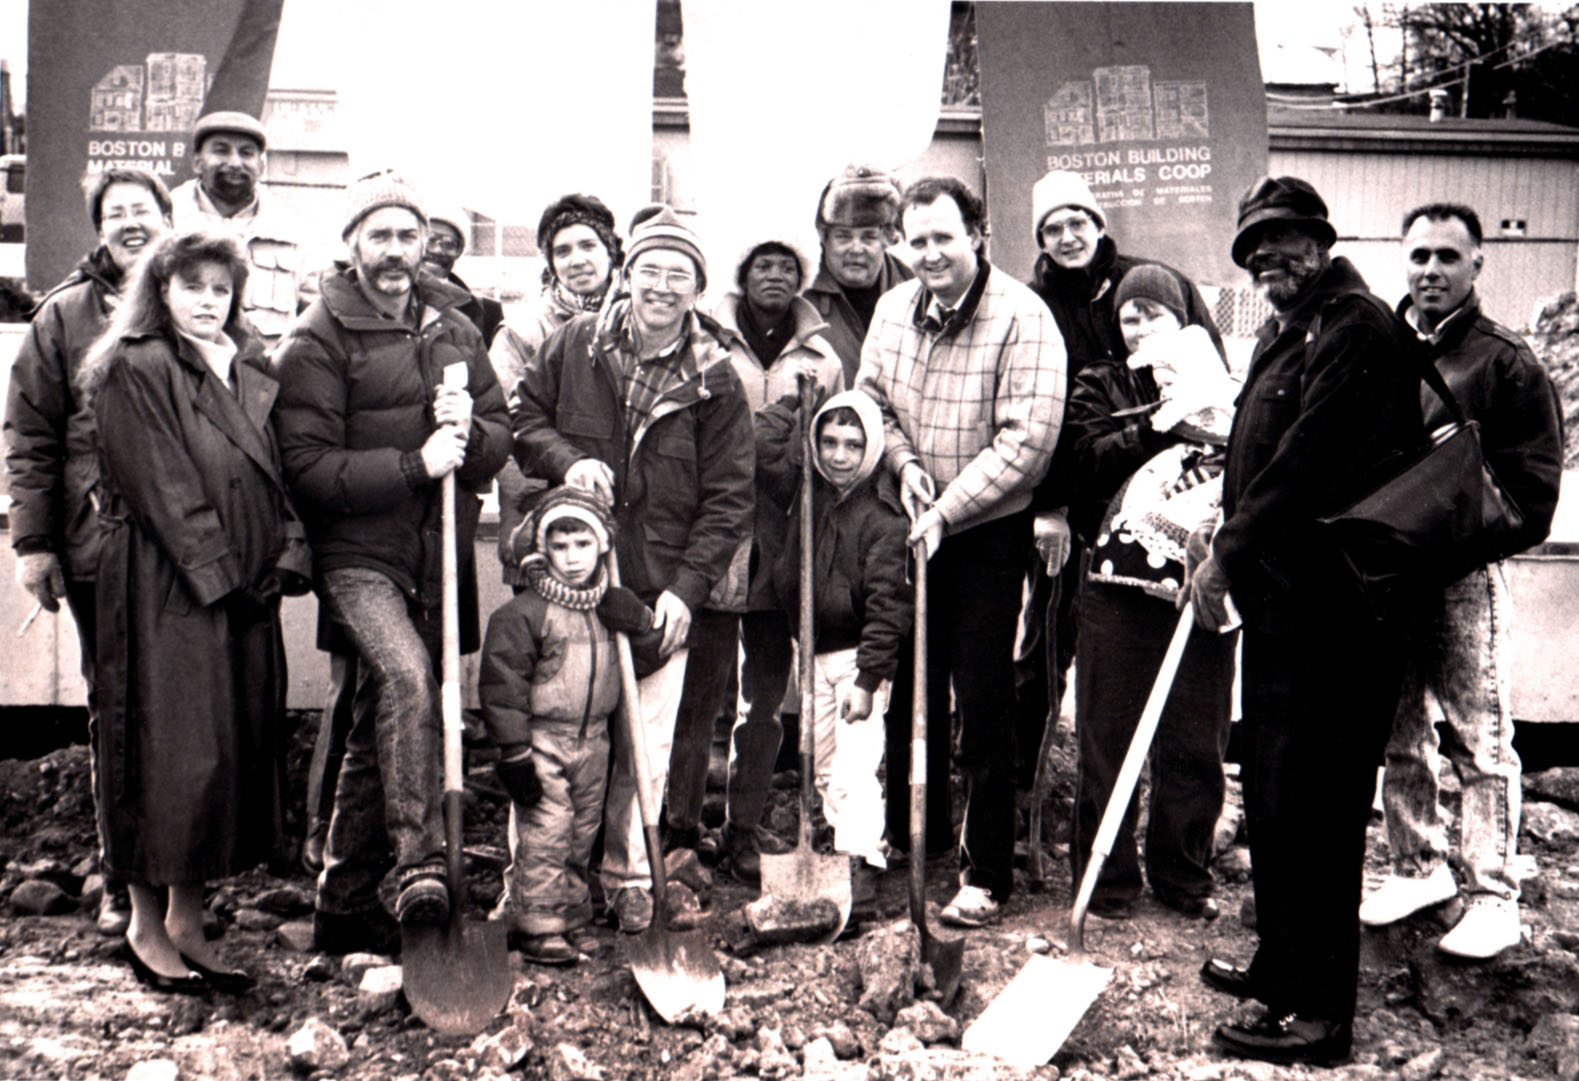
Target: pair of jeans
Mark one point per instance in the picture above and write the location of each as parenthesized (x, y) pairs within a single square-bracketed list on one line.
[(1457, 656), (387, 798), (624, 846), (714, 643), (1319, 697), (764, 678), (973, 606), (1123, 636), (847, 757)]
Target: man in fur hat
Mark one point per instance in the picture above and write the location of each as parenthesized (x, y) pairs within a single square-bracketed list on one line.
[(857, 220)]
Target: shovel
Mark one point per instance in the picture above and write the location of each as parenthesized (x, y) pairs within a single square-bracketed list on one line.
[(945, 955), (1030, 1020), (678, 972), (456, 976), (808, 894)]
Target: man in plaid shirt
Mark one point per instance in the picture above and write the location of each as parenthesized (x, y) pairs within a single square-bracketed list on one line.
[(968, 367)]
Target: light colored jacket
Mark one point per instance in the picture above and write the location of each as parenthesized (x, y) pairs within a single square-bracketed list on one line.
[(269, 237)]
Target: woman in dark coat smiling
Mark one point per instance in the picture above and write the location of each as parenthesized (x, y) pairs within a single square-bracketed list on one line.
[(199, 542)]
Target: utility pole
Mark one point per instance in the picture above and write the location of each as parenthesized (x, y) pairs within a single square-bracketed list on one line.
[(8, 139)]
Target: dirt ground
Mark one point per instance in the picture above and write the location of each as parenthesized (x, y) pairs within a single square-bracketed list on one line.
[(69, 1007)]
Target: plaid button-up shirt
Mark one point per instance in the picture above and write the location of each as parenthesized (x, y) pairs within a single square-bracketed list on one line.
[(977, 400)]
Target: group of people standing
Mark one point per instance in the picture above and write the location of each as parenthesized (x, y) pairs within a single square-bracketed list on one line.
[(1071, 456)]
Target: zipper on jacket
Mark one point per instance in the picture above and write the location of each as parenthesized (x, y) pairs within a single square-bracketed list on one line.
[(592, 676)]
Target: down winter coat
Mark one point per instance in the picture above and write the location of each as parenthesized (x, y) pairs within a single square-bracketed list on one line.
[(682, 481), (544, 663), (199, 539), (356, 406), (858, 540), (51, 461)]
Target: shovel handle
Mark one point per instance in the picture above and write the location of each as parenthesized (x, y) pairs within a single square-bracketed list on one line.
[(806, 669), (918, 752), (450, 687), (1129, 774), (630, 712)]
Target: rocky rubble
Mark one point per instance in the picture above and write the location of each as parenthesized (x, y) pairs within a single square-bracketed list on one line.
[(1554, 335), (858, 1010)]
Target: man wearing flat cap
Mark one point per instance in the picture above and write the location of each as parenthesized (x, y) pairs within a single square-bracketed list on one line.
[(1333, 390), (857, 219), (224, 197)]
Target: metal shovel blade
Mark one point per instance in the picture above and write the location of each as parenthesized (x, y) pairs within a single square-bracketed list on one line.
[(677, 972), (457, 975), (1030, 1020), (806, 881)]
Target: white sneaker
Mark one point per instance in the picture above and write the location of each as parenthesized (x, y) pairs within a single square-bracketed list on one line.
[(972, 907), (1399, 897), (1490, 925)]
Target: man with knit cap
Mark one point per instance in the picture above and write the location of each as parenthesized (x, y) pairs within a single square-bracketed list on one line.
[(448, 228), (774, 336), (228, 155), (857, 220), (582, 256), (384, 389), (638, 402), (1332, 393), (968, 368), (1076, 274)]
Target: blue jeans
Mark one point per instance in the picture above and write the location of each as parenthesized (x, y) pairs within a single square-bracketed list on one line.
[(387, 799)]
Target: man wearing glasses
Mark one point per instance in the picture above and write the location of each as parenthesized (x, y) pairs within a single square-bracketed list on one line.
[(639, 403)]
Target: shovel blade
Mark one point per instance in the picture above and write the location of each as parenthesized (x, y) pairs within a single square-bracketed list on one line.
[(946, 957), (678, 973), (456, 975), (796, 879), (1032, 1017)]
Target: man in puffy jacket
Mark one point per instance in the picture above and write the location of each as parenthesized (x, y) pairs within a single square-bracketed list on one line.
[(1459, 656), (638, 402), (52, 463), (370, 419)]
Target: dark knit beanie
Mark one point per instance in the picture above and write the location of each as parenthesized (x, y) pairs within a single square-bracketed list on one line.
[(578, 209), (1154, 283)]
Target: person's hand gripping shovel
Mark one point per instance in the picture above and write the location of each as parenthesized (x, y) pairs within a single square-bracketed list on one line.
[(456, 975)]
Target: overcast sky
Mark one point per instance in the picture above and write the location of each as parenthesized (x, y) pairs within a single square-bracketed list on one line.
[(1295, 26)]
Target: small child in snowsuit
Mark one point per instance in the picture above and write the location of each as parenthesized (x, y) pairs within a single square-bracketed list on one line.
[(861, 607), (549, 680)]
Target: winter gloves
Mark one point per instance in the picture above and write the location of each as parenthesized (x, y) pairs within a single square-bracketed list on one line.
[(517, 772), (622, 612)]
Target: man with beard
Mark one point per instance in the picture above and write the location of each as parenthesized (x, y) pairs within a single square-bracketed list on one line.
[(52, 463), (368, 424), (448, 228), (1333, 390), (857, 219), (968, 368), (228, 156), (1077, 274)]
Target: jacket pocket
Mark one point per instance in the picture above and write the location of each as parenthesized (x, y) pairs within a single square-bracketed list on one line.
[(579, 422)]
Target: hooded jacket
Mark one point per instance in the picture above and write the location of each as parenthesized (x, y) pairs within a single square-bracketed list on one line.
[(1498, 382), (356, 406), (858, 539), (682, 480), (51, 459)]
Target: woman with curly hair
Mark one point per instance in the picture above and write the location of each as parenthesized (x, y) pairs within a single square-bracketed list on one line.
[(199, 542)]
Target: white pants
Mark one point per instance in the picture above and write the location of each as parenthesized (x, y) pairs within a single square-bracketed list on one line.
[(848, 756), (624, 849)]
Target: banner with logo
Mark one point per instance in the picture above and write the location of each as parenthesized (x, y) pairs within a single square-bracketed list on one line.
[(114, 83), (1159, 106)]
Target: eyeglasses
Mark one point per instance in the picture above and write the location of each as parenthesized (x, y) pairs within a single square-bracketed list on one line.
[(443, 242), (658, 278), (1075, 223)]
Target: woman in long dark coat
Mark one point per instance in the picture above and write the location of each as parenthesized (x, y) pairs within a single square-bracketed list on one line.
[(199, 542)]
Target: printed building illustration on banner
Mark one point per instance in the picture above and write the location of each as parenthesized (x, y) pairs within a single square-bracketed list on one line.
[(1122, 104), (164, 93)]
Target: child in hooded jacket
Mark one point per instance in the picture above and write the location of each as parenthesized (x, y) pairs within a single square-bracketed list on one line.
[(548, 682), (861, 605)]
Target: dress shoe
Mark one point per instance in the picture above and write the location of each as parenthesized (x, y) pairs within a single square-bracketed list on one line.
[(114, 914), (1399, 896), (1227, 977), (189, 984), (1490, 925), (1189, 904), (1288, 1037), (232, 981)]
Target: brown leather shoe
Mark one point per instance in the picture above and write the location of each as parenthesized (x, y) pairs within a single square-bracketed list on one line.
[(1288, 1037)]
